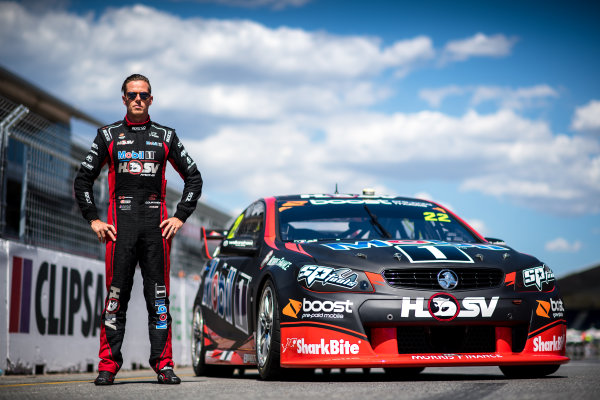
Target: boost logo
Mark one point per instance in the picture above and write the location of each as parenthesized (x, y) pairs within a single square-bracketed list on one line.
[(292, 309)]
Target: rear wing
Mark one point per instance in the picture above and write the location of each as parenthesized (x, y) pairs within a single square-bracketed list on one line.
[(211, 238)]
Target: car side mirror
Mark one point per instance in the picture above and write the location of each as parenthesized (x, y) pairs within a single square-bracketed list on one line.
[(210, 240), (495, 240), (240, 246)]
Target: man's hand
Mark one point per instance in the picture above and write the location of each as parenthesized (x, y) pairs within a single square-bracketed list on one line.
[(104, 231), (170, 227)]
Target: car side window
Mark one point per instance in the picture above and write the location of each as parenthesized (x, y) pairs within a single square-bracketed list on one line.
[(250, 223)]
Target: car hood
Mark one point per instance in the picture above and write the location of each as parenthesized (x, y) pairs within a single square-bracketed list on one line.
[(374, 255)]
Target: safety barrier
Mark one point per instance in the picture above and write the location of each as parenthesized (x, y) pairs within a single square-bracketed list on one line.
[(51, 304)]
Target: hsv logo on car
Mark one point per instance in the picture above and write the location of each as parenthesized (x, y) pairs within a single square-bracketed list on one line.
[(443, 307)]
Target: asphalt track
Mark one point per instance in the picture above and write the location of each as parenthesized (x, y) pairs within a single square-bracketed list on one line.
[(574, 381)]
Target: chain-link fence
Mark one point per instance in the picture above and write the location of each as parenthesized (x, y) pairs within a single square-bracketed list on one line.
[(37, 192), (38, 163)]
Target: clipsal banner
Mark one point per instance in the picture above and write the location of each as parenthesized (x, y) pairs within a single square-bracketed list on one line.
[(52, 304)]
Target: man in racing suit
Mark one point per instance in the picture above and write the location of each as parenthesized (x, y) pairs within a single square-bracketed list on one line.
[(138, 229)]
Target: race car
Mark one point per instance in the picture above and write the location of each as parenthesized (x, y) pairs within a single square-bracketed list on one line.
[(362, 281)]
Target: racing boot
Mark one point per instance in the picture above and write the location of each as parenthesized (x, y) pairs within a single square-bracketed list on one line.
[(104, 378), (167, 376)]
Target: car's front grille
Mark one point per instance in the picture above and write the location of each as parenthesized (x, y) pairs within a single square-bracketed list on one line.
[(427, 278), (446, 339)]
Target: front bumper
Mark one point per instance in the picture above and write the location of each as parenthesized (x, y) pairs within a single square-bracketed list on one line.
[(327, 346), (401, 332)]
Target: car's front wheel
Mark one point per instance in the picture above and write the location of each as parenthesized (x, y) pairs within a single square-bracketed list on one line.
[(268, 334), (528, 371), (199, 349)]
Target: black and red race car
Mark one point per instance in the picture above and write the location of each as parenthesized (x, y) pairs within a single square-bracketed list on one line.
[(346, 281)]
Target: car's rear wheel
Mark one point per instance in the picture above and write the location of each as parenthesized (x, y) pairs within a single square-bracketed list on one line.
[(528, 371), (268, 340), (199, 349)]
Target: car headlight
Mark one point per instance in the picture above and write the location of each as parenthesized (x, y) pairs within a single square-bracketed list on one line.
[(535, 279), (321, 278)]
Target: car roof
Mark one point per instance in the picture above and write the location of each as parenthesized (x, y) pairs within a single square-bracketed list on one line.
[(292, 197)]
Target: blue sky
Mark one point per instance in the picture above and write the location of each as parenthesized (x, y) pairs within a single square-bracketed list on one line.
[(491, 108)]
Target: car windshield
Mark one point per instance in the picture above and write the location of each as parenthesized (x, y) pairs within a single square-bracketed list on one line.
[(360, 219)]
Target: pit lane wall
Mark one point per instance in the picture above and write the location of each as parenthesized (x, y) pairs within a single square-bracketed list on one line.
[(50, 309)]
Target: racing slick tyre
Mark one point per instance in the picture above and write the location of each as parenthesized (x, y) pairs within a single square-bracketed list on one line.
[(268, 339), (403, 373), (199, 349), (528, 371)]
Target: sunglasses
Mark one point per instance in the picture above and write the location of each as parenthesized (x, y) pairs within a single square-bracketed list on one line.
[(133, 95)]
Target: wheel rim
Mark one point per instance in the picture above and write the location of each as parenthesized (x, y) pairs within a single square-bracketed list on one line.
[(197, 335), (264, 329)]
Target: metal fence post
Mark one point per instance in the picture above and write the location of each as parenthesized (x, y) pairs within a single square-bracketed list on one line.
[(11, 119), (23, 208)]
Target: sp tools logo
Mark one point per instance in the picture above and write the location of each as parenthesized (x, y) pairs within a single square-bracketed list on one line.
[(343, 277), (292, 309), (537, 276)]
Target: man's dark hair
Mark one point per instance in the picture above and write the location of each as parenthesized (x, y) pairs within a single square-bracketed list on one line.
[(135, 77)]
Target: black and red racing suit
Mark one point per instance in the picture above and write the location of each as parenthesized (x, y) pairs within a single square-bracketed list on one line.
[(136, 155)]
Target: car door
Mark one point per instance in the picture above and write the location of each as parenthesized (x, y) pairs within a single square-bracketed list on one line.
[(227, 278)]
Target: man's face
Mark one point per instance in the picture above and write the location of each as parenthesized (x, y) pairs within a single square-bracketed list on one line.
[(137, 109)]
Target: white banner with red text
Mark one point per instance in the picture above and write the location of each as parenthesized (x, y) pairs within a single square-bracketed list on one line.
[(50, 309)]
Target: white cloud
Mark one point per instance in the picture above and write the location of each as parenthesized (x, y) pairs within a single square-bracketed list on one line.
[(479, 45), (587, 117), (562, 245), (514, 98), (504, 97), (291, 111), (500, 154), (427, 196), (423, 195), (223, 68), (436, 96), (479, 226), (274, 4)]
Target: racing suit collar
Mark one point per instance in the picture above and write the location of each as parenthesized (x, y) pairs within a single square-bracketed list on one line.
[(137, 125), (129, 123)]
